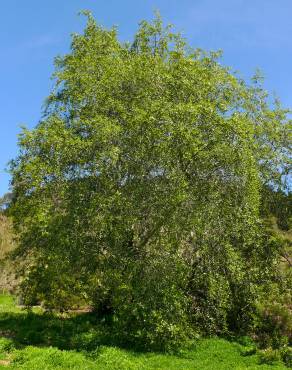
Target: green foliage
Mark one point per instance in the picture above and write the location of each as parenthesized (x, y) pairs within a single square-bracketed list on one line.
[(273, 318), (270, 356), (139, 191), (52, 286), (277, 211), (286, 354), (6, 345), (273, 321), (276, 356), (79, 341), (278, 204)]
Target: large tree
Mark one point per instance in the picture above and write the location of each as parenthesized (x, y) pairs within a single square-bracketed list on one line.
[(139, 190)]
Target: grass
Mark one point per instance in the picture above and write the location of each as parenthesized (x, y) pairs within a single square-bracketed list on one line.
[(36, 340)]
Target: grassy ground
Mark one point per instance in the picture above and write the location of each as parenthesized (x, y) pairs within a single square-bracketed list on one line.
[(34, 341)]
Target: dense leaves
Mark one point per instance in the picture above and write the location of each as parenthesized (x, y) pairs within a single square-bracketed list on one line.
[(139, 190)]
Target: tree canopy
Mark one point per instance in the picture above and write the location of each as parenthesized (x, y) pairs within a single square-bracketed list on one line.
[(139, 191)]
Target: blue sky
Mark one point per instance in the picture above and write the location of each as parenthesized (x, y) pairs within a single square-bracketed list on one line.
[(252, 33)]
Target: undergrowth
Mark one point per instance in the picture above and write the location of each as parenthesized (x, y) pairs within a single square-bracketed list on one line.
[(36, 340)]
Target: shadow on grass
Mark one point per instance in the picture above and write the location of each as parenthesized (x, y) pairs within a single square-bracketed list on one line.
[(80, 332), (95, 338)]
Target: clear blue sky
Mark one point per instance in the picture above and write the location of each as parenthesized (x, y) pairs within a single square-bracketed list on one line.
[(252, 33)]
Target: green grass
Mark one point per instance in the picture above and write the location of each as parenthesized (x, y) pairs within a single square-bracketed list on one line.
[(35, 340)]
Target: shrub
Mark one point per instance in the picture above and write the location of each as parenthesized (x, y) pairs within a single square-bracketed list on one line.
[(286, 354), (270, 356), (273, 321)]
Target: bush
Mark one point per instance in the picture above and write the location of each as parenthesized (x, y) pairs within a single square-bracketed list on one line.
[(286, 354), (270, 356), (6, 345), (273, 321)]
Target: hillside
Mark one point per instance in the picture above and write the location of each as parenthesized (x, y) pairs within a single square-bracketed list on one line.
[(7, 278)]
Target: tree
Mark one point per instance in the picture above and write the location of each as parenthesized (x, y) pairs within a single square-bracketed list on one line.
[(140, 187)]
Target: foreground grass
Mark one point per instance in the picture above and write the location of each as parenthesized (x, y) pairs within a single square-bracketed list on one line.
[(34, 340)]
